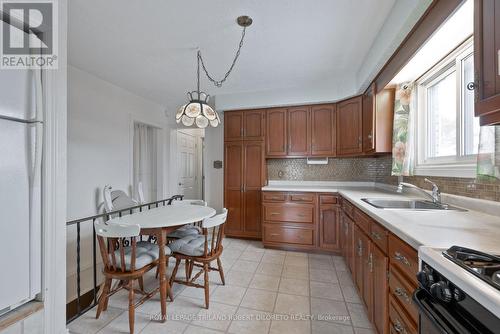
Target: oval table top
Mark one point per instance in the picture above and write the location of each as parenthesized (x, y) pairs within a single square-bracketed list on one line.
[(167, 216)]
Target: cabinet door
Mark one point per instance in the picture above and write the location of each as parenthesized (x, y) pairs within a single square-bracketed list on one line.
[(367, 260), (358, 259), (276, 132), (350, 248), (299, 142), (329, 227), (233, 125), (487, 60), (253, 181), (253, 124), (323, 130), (349, 127), (233, 186), (380, 265), (369, 120)]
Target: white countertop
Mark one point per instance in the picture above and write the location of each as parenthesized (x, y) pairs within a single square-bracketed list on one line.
[(435, 228)]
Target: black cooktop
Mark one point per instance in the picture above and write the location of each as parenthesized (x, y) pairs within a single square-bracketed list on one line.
[(483, 265)]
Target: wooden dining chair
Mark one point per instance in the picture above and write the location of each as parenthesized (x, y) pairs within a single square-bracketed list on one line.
[(200, 251), (126, 263)]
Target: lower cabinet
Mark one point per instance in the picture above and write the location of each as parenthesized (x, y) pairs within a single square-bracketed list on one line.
[(305, 221), (383, 268)]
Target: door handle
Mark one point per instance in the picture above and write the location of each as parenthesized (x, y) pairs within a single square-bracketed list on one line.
[(181, 183)]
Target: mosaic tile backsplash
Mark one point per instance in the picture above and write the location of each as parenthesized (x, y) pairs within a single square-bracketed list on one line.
[(376, 169)]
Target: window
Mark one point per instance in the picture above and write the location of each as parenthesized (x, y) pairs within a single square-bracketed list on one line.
[(447, 131)]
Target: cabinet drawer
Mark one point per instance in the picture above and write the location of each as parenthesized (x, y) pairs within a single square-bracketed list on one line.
[(362, 220), (305, 198), (296, 213), (273, 196), (286, 234), (402, 291), (379, 235), (403, 257), (398, 321), (328, 199)]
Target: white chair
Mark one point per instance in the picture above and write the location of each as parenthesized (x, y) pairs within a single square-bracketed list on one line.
[(125, 263), (200, 251), (116, 199)]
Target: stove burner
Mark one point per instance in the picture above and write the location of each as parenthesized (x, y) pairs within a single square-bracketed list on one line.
[(484, 266)]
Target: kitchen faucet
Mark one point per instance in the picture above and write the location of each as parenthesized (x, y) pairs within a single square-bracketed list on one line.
[(436, 194)]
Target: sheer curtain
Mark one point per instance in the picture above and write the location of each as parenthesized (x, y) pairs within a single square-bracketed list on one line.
[(488, 157), (145, 160)]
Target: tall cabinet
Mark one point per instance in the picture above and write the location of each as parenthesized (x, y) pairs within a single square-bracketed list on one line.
[(244, 171)]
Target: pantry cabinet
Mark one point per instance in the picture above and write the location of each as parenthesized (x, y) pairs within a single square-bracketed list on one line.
[(244, 125), (487, 60)]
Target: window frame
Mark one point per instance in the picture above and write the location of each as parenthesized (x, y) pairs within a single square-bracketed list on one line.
[(459, 165)]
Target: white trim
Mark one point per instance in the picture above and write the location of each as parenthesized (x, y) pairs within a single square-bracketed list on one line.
[(54, 188)]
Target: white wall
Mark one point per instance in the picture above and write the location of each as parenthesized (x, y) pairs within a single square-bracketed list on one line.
[(100, 118), (214, 178)]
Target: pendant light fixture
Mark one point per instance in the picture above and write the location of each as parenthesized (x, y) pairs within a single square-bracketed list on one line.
[(197, 111)]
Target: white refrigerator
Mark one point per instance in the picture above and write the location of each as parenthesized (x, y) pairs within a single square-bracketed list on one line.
[(21, 139)]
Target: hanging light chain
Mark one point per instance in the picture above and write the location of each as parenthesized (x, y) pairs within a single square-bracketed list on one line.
[(218, 83)]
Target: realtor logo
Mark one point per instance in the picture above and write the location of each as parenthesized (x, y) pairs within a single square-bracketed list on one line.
[(29, 34)]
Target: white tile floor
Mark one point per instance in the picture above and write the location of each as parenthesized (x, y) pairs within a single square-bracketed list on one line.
[(266, 291)]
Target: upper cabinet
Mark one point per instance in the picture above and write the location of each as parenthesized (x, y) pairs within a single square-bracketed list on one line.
[(378, 111), (244, 125), (350, 127), (304, 131), (299, 138), (276, 134), (487, 60), (323, 130)]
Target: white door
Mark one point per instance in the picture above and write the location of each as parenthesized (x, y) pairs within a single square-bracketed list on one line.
[(187, 171)]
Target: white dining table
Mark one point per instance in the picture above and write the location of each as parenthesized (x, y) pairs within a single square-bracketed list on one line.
[(159, 222)]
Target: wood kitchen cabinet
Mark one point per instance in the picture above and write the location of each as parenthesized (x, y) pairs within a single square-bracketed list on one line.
[(378, 112), (380, 265), (487, 60), (299, 135), (244, 165), (329, 223), (276, 132), (323, 130), (244, 125), (350, 127)]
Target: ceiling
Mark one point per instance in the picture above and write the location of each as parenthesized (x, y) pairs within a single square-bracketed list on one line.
[(149, 47)]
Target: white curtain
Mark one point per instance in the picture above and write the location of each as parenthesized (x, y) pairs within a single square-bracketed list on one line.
[(145, 160)]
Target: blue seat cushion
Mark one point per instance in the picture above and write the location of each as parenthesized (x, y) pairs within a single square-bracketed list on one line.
[(185, 231), (145, 254), (191, 245)]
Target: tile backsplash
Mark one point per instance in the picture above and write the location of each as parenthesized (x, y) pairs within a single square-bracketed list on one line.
[(376, 169)]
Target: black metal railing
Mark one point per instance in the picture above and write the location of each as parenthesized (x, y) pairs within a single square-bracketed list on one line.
[(105, 216)]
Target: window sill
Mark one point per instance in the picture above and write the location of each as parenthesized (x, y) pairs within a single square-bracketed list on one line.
[(447, 170)]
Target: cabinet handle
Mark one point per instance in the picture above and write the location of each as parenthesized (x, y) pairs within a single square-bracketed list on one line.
[(346, 229), (274, 234), (399, 328), (274, 213), (401, 258), (370, 262), (360, 140), (375, 235), (370, 136), (400, 292), (360, 248)]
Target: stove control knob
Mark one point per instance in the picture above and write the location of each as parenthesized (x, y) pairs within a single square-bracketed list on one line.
[(441, 291), (458, 295), (425, 277)]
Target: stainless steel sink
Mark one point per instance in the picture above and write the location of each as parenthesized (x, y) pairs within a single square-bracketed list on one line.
[(408, 204)]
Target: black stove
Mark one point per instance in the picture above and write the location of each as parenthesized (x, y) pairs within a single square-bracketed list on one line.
[(444, 307), (483, 265)]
